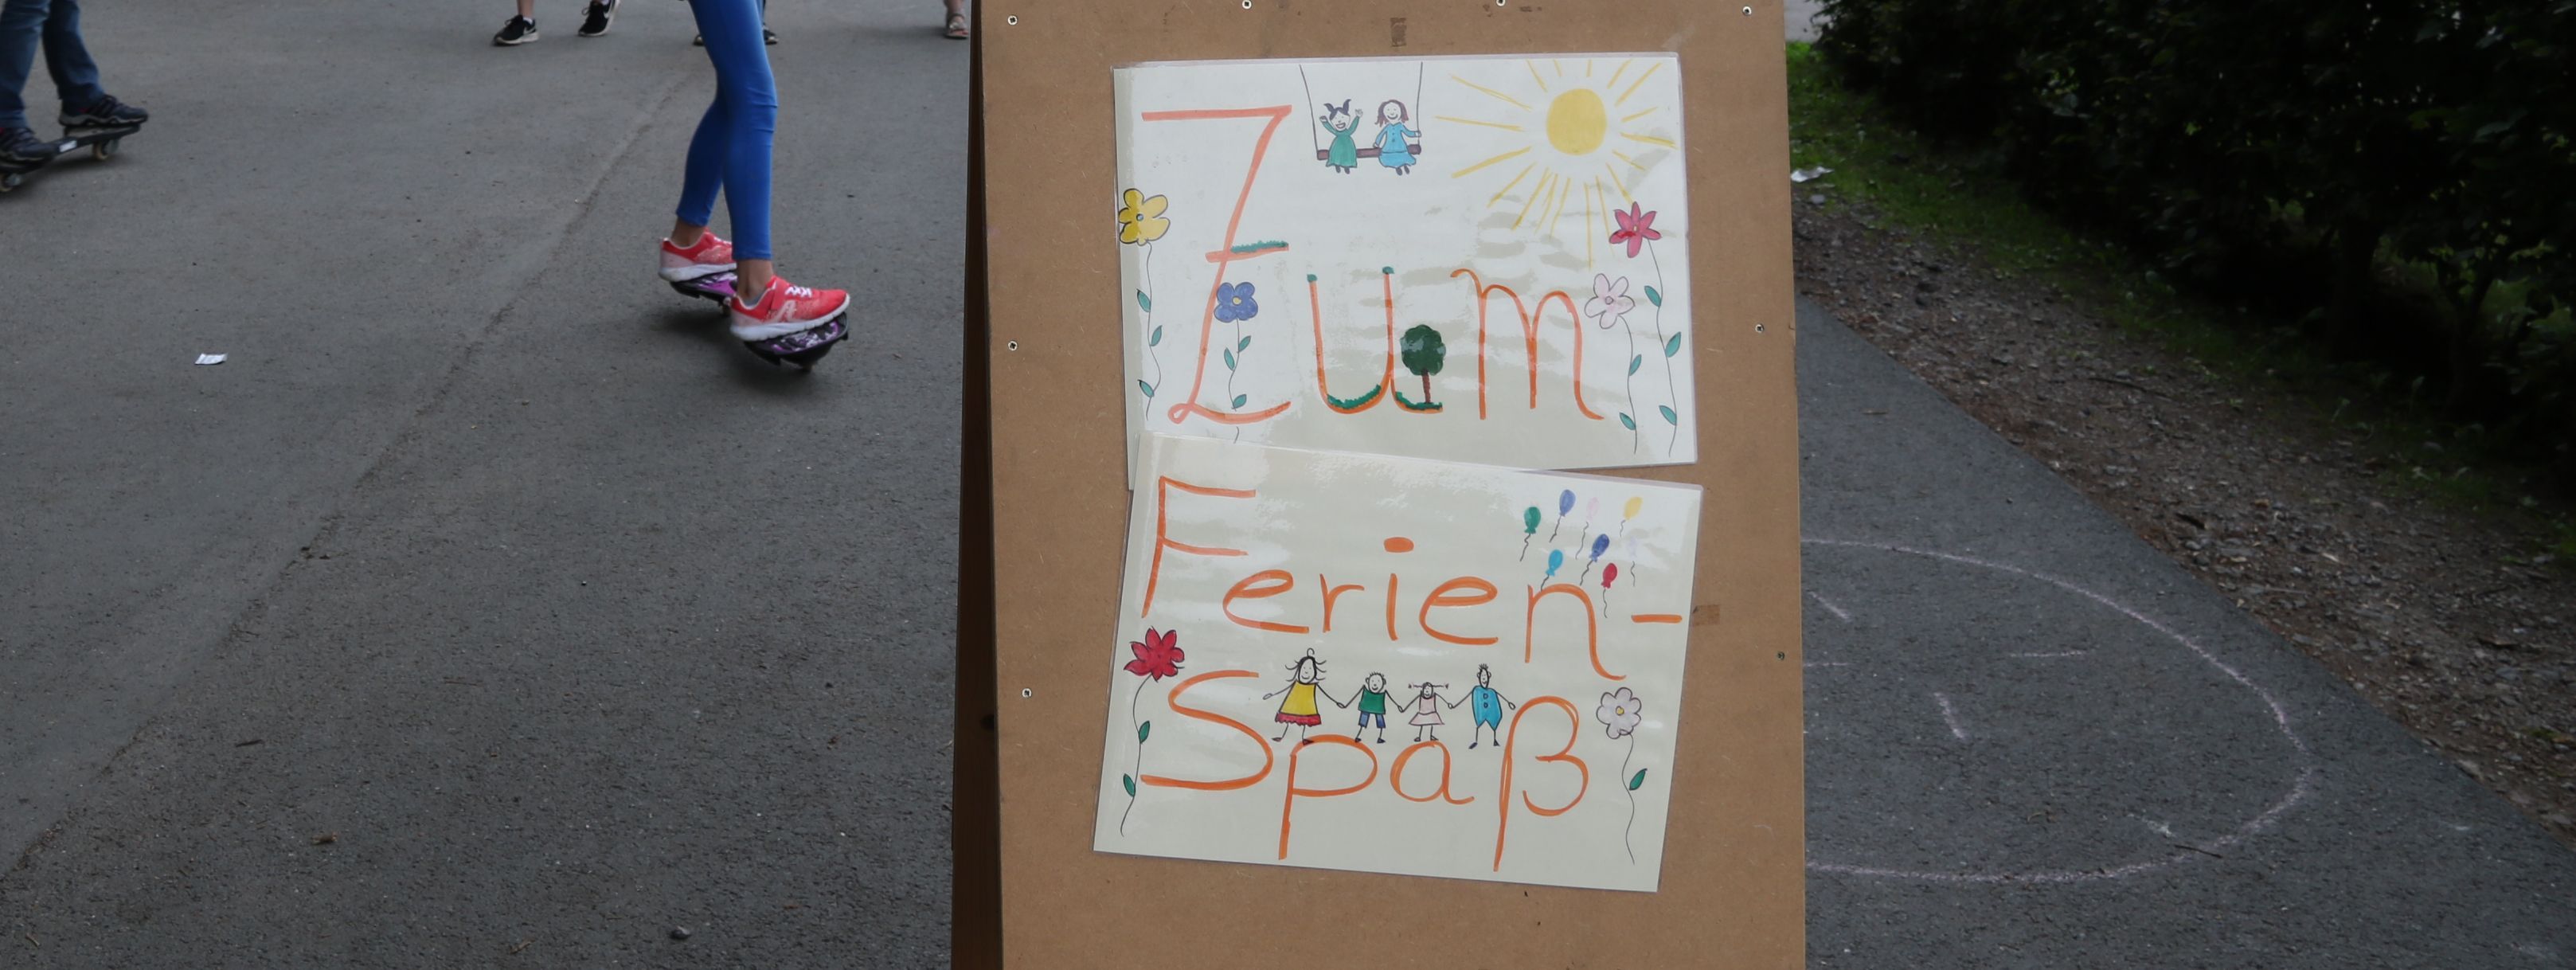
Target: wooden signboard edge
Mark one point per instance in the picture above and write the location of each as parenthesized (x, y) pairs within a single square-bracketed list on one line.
[(1767, 514), (974, 800)]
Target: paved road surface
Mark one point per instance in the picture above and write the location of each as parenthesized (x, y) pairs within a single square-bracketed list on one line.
[(488, 601), (1800, 16), (573, 621), (2033, 741)]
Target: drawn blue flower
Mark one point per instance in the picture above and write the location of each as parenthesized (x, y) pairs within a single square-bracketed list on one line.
[(1234, 303)]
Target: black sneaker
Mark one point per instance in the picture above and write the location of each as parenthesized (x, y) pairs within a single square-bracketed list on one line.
[(106, 112), (519, 30), (594, 21), (20, 148)]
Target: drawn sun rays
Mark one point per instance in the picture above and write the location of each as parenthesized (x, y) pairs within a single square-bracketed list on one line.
[(1580, 132)]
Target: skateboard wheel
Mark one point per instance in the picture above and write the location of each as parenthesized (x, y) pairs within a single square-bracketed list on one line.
[(10, 181), (104, 150)]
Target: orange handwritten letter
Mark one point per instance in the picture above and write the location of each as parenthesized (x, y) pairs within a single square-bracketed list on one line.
[(1268, 582), (1163, 487), (1289, 804), (1575, 721), (1591, 626), (1446, 594), (1225, 256), (1229, 784)]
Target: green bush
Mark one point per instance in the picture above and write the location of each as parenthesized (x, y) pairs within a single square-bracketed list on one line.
[(2398, 172)]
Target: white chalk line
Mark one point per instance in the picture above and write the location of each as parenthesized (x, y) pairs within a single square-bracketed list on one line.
[(1829, 606), (1950, 715), (2300, 787)]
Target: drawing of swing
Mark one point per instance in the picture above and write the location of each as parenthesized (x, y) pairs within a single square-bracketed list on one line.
[(1397, 143)]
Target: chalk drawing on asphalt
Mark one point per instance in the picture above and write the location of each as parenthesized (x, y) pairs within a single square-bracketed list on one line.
[(1957, 713)]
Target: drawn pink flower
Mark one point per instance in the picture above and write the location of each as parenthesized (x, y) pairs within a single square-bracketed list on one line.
[(1610, 301), (1620, 711), (1157, 656), (1636, 228)]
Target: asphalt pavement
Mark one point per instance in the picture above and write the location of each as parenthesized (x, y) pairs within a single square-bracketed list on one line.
[(2034, 741), (487, 604), (487, 607)]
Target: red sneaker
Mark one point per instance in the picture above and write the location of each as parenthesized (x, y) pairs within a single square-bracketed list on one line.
[(711, 255), (784, 309)]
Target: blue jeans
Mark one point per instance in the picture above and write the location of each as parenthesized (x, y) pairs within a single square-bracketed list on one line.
[(56, 24), (731, 148)]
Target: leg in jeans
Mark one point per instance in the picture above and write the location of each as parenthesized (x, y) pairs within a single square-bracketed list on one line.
[(22, 24), (75, 75)]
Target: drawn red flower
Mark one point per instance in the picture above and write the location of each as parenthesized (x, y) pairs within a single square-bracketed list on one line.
[(1636, 228), (1157, 656)]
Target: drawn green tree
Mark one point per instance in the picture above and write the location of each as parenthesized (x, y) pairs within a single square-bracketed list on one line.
[(1424, 353)]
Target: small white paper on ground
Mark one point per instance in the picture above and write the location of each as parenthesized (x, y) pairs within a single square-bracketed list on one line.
[(204, 359), (1803, 175)]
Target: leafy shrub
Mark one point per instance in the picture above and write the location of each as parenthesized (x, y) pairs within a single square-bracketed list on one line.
[(2295, 153)]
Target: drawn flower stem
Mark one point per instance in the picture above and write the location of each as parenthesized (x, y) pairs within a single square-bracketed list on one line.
[(1229, 374), (1140, 758), (1636, 431), (1672, 387), (1623, 783), (1152, 345)]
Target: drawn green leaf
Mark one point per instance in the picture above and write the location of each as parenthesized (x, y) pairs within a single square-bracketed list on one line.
[(1130, 782), (1229, 360), (1142, 730), (1239, 399), (1654, 297), (1669, 417), (1147, 388), (1638, 779), (1627, 422), (1245, 342), (1636, 362), (1155, 339), (1673, 346), (1143, 302)]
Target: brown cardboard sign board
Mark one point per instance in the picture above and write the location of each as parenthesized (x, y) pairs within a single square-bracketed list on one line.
[(1046, 503)]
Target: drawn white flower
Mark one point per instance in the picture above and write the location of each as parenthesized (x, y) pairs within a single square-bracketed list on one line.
[(1610, 301), (1620, 710)]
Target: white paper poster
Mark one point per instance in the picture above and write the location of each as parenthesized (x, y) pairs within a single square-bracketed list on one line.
[(1367, 663), (1479, 259)]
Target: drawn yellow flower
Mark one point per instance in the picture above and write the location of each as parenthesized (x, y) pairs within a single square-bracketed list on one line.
[(1140, 220)]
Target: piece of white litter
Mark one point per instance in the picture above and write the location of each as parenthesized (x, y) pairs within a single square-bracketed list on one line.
[(1809, 174), (204, 359)]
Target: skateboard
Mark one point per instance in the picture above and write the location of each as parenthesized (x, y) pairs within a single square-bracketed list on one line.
[(801, 349), (101, 142)]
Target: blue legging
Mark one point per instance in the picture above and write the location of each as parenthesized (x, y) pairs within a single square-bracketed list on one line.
[(731, 148)]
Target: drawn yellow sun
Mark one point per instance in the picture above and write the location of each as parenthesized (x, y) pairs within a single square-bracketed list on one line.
[(1588, 127)]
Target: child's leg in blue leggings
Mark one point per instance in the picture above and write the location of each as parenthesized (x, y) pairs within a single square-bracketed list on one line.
[(732, 147)]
